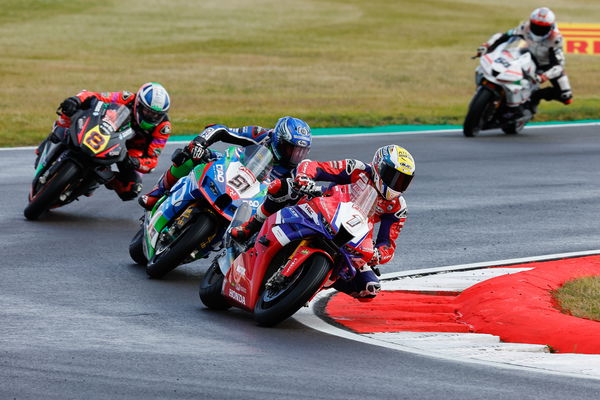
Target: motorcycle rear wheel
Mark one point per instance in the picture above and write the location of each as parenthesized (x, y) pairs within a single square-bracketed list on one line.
[(302, 286), (210, 289), (136, 248), (49, 193), (197, 232), (478, 109)]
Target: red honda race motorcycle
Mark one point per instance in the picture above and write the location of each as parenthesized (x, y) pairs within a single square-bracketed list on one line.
[(299, 250)]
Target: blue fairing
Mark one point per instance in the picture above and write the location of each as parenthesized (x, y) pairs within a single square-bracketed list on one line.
[(182, 193), (213, 189), (298, 224)]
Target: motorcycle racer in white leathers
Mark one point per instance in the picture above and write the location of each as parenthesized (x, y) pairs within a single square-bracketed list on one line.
[(545, 43)]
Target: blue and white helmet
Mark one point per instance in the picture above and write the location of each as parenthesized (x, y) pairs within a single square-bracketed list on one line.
[(291, 141), (393, 170), (151, 105)]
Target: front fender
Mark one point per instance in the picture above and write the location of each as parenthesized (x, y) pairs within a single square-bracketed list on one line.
[(299, 256)]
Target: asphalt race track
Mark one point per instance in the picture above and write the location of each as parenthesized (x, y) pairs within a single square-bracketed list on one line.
[(79, 320)]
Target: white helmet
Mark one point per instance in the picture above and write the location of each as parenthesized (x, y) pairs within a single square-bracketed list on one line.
[(541, 23)]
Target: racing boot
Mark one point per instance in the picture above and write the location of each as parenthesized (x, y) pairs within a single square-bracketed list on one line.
[(514, 113), (243, 232), (164, 184)]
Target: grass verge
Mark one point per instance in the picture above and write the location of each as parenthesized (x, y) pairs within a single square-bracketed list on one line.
[(580, 297), (333, 63)]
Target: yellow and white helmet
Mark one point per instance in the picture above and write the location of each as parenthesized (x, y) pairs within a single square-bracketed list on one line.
[(393, 170)]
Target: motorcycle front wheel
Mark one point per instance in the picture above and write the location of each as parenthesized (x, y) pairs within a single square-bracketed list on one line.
[(478, 110), (273, 306), (136, 248), (193, 235), (48, 194), (210, 289)]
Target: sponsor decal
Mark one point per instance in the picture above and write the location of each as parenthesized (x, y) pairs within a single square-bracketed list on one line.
[(220, 174), (237, 296), (400, 214), (310, 212), (304, 251), (166, 130), (252, 203), (280, 236), (581, 38), (97, 109)]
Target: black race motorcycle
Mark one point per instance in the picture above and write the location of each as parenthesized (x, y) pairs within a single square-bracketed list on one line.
[(78, 163)]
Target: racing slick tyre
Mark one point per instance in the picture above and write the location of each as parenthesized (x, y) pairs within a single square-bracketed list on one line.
[(273, 306), (479, 111), (48, 194), (210, 289), (136, 248), (167, 258)]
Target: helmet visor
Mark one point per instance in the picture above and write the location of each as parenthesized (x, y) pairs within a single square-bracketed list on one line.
[(394, 179), (151, 116), (540, 30), (291, 154)]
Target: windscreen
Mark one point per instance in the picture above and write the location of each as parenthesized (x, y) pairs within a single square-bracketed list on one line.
[(259, 160), (364, 197), (516, 43), (115, 116)]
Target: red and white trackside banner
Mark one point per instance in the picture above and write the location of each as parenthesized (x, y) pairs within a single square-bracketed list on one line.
[(581, 38)]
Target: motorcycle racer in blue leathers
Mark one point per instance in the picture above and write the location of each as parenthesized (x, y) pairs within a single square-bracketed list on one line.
[(289, 141)]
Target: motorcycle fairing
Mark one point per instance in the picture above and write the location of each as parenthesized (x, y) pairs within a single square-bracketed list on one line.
[(512, 69)]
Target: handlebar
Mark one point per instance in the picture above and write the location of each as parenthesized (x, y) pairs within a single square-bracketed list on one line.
[(315, 191)]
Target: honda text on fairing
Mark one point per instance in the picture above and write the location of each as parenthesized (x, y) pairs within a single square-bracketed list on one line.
[(505, 78), (298, 251), (82, 160), (189, 222)]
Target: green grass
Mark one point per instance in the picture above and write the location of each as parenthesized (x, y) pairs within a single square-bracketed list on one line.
[(580, 297), (333, 63)]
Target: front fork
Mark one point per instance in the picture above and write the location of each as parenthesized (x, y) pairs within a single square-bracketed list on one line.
[(302, 252)]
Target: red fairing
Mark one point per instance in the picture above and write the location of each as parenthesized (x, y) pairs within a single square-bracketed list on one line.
[(244, 278)]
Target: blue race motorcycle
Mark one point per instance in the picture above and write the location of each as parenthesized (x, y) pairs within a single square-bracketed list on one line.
[(189, 222)]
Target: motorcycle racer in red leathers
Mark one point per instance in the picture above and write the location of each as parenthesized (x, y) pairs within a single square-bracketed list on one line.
[(390, 173), (545, 43), (150, 122)]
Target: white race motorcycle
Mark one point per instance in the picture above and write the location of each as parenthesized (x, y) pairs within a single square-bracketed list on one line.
[(505, 78)]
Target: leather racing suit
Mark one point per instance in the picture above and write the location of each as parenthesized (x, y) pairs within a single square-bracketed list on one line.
[(144, 147), (390, 214), (549, 58), (183, 162)]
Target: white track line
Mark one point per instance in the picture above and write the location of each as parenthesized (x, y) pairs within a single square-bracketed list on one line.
[(555, 364), (401, 133)]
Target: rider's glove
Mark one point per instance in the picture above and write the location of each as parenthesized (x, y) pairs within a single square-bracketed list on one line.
[(303, 184), (197, 149), (481, 50), (376, 257), (70, 105), (541, 78)]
